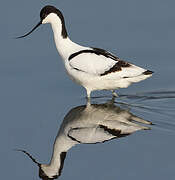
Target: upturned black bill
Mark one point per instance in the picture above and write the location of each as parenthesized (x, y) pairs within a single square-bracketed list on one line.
[(30, 31), (30, 156)]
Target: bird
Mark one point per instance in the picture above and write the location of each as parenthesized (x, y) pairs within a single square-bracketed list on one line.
[(88, 124), (91, 67)]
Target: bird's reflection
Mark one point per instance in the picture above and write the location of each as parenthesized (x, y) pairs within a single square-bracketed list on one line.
[(90, 124)]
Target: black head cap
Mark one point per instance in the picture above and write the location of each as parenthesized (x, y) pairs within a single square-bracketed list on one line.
[(49, 9), (45, 11)]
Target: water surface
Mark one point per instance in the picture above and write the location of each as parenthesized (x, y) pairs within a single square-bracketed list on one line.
[(36, 93)]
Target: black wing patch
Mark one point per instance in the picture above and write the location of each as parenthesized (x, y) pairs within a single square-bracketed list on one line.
[(96, 51), (148, 72), (114, 132), (117, 67)]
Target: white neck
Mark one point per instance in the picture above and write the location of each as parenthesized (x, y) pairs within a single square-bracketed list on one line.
[(62, 144), (64, 46)]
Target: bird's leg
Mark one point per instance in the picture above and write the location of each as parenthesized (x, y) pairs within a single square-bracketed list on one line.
[(111, 101), (88, 93), (114, 93), (88, 103)]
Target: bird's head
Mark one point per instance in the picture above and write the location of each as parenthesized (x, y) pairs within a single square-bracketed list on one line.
[(47, 172), (50, 14)]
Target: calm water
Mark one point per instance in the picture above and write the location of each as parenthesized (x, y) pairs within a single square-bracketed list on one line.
[(36, 94)]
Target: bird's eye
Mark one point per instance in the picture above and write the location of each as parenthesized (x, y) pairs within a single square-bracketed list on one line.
[(43, 16)]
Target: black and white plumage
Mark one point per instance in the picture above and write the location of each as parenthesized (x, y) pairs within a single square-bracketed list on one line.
[(93, 68), (89, 124)]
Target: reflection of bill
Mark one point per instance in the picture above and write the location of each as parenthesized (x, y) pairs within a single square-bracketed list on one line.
[(92, 124)]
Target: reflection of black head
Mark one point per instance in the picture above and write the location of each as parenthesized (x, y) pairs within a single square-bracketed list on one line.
[(43, 176), (43, 14)]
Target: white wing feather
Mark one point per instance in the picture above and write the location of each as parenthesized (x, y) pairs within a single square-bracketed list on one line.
[(89, 134), (129, 72), (92, 63), (95, 64)]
